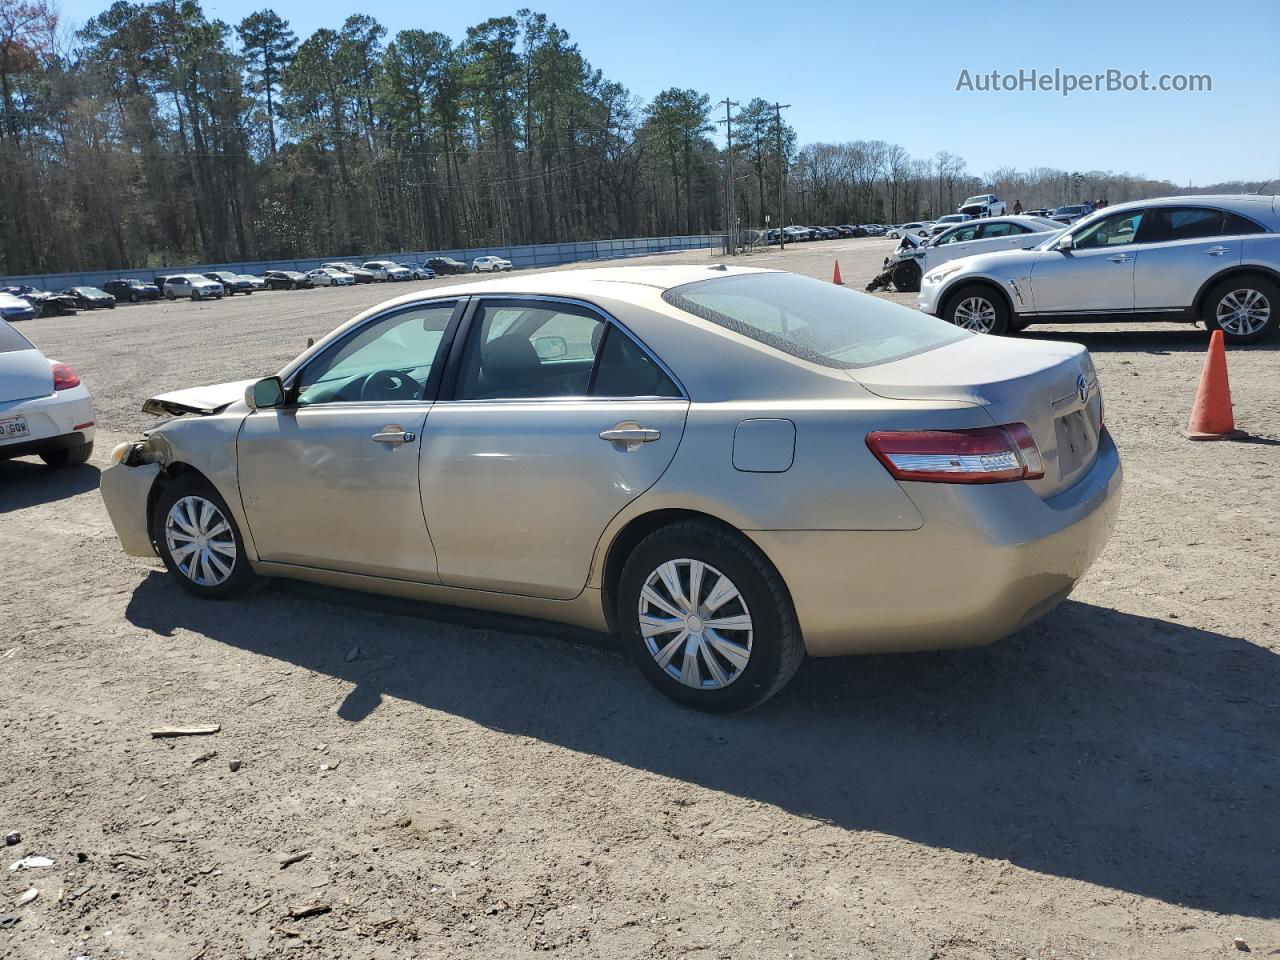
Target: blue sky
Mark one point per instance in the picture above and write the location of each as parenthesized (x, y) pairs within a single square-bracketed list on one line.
[(850, 73)]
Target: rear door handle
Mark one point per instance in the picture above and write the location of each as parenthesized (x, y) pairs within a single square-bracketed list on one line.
[(630, 435), (1217, 251), (1119, 258), (394, 435)]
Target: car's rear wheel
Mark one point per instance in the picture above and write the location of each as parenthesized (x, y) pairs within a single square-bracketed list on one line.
[(68, 456), (133, 297), (707, 618), (979, 309), (199, 541), (1246, 309)]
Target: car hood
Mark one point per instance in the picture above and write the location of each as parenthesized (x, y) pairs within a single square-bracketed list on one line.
[(202, 400), (996, 260)]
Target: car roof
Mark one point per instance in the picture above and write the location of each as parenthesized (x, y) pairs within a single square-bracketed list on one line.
[(1261, 207)]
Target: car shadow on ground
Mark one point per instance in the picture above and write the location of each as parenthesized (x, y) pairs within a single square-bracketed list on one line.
[(29, 483), (1134, 753), (1186, 340)]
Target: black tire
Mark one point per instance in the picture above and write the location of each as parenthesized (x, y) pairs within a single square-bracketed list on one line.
[(68, 456), (195, 295), (906, 277), (293, 284), (776, 647), (968, 298), (1264, 295), (241, 578), (133, 297)]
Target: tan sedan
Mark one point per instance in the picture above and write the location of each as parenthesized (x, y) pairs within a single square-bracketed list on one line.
[(729, 467)]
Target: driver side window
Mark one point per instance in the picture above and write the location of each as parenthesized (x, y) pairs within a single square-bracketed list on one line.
[(1111, 231), (387, 360)]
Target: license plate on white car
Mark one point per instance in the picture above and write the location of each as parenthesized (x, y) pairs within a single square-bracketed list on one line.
[(11, 428)]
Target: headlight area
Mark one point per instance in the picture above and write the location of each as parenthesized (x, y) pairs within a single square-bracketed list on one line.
[(134, 453)]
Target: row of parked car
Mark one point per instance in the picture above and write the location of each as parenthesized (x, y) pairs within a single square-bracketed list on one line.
[(26, 302), (800, 234)]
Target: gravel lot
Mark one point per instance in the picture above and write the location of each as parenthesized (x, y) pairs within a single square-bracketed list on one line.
[(1105, 783)]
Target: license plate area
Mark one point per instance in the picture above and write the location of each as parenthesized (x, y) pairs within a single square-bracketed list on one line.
[(13, 428), (1075, 442)]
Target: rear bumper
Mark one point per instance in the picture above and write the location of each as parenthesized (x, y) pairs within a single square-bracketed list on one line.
[(124, 491), (988, 561), (57, 421)]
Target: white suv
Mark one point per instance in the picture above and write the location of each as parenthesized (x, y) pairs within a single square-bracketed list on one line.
[(489, 265), (1210, 259), (191, 285), (387, 270)]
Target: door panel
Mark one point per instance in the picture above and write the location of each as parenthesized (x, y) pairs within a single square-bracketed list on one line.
[(1078, 280), (517, 493), (1170, 274), (319, 491)]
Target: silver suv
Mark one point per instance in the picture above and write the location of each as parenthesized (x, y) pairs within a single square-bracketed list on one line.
[(1215, 259)]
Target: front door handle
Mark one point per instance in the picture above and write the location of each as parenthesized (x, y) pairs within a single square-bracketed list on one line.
[(1217, 251), (630, 435), (1119, 258), (394, 435)]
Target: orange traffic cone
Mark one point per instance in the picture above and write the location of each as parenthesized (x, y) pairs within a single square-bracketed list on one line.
[(1211, 417), (836, 278)]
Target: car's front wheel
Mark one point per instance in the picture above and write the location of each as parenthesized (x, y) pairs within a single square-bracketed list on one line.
[(1246, 309), (979, 309), (906, 277), (707, 618), (199, 541)]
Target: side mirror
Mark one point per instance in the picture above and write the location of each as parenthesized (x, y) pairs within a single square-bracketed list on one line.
[(264, 394), (550, 348), (1065, 242)]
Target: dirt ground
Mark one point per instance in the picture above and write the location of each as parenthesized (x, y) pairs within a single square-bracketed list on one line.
[(1105, 783)]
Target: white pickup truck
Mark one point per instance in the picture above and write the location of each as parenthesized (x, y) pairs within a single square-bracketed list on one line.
[(983, 205)]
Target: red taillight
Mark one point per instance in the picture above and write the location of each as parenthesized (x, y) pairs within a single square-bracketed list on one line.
[(64, 378), (983, 455)]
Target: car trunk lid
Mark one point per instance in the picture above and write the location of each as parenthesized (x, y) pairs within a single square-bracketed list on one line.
[(24, 375), (1051, 387)]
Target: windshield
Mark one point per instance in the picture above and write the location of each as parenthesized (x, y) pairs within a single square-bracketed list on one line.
[(1068, 210), (815, 321), (982, 199)]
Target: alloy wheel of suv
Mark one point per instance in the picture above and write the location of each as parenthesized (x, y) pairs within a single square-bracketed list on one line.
[(978, 309), (1246, 309)]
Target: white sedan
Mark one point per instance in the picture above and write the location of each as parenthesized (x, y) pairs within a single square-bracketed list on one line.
[(330, 277), (489, 265), (45, 410)]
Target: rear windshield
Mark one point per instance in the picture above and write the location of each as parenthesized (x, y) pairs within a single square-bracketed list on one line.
[(11, 339), (815, 321)]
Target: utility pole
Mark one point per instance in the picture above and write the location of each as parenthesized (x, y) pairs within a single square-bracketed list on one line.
[(731, 226), (782, 176)]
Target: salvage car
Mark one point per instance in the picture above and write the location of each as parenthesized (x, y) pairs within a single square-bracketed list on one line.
[(1210, 259), (45, 410), (90, 298), (192, 285), (232, 283), (420, 271), (983, 205), (132, 290), (287, 280), (915, 228), (47, 304), (1072, 212), (950, 220), (446, 265), (730, 467), (15, 308), (360, 274), (916, 256)]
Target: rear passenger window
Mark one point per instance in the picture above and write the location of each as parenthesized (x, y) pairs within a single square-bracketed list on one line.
[(1234, 225), (624, 370), (1166, 224)]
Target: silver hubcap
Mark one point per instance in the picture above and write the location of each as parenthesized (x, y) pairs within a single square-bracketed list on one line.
[(1243, 312), (200, 541), (976, 314), (695, 624)]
